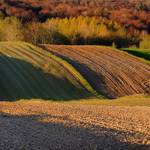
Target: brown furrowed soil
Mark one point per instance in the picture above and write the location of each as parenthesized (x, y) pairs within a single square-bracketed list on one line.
[(34, 125), (111, 72)]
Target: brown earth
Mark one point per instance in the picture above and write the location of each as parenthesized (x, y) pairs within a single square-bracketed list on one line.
[(111, 72), (54, 126)]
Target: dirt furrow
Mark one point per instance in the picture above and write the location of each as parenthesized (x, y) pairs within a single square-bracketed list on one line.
[(109, 71)]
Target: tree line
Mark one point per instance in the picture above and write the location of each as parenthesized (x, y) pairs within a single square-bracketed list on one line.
[(134, 15), (75, 30)]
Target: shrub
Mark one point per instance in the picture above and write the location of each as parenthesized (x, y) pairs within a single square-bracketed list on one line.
[(76, 30), (145, 43), (91, 30), (77, 39), (38, 33), (11, 29)]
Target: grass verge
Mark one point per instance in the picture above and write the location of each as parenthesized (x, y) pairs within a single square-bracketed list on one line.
[(141, 53)]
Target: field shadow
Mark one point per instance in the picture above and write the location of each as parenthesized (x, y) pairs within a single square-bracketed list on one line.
[(21, 80), (96, 80), (31, 132)]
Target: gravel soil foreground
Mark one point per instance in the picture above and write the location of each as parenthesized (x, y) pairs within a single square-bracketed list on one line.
[(55, 126)]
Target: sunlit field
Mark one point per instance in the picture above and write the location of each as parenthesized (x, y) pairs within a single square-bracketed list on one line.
[(74, 75)]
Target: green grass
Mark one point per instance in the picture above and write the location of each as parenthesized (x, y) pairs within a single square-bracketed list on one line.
[(28, 72), (137, 100), (141, 53)]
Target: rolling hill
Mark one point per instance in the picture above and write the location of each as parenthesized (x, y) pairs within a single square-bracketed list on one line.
[(31, 75), (111, 72), (28, 72), (69, 72)]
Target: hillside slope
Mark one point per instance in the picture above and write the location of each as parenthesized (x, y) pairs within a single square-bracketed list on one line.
[(110, 72), (28, 72)]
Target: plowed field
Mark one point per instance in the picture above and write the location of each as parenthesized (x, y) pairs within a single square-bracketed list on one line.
[(111, 72)]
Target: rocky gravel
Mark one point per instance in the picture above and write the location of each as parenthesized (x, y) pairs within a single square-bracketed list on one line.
[(40, 125)]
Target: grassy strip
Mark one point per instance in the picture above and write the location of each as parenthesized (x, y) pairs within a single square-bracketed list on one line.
[(73, 71), (137, 100), (142, 53)]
